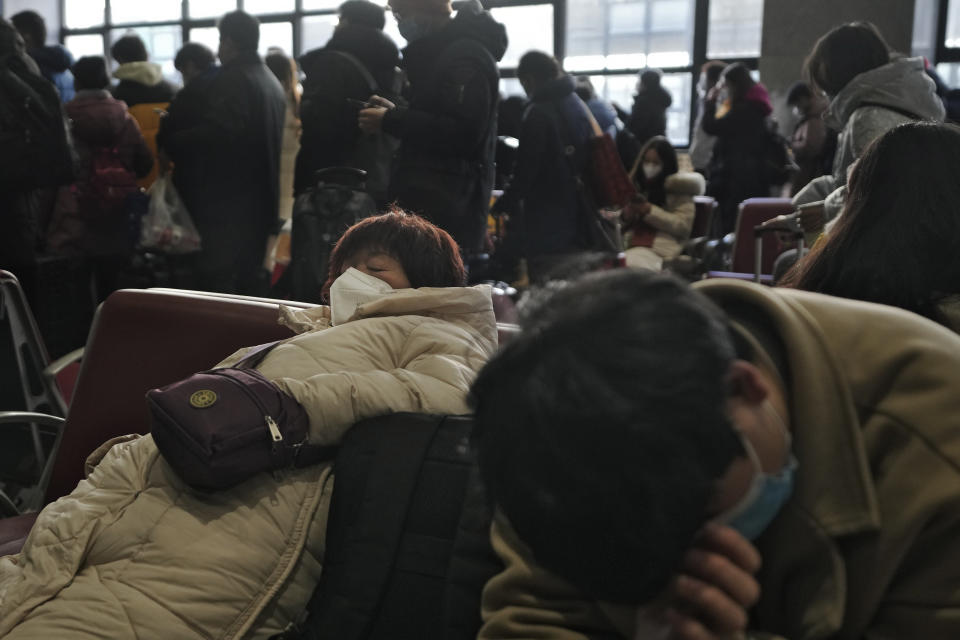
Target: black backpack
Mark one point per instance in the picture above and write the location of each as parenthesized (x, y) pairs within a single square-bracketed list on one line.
[(35, 148), (320, 216), (408, 540), (777, 164), (333, 78)]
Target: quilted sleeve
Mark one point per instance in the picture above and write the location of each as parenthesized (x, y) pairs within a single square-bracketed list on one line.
[(57, 544)]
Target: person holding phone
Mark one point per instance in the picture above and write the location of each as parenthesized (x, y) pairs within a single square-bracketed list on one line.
[(444, 169)]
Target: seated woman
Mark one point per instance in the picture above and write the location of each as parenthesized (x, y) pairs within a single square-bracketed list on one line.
[(897, 238), (659, 222), (133, 552)]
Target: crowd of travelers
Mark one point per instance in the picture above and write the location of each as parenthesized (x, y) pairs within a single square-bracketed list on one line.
[(659, 458)]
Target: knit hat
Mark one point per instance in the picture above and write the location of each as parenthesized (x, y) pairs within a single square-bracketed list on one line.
[(442, 7)]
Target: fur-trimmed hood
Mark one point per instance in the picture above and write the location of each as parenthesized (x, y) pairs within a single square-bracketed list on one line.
[(685, 184), (146, 73)]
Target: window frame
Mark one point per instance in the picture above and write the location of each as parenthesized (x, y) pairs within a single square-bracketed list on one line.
[(943, 53), (697, 59)]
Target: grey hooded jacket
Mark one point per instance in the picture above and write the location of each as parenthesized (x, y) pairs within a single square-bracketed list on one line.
[(870, 105)]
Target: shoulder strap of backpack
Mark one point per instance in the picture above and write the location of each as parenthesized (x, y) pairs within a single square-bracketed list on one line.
[(364, 72), (376, 479)]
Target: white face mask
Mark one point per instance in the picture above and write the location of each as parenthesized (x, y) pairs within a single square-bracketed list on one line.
[(352, 289), (651, 170)]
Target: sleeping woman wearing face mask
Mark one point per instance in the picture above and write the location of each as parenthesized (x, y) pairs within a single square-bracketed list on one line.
[(133, 552), (658, 223)]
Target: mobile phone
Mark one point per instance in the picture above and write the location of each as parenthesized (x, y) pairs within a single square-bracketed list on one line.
[(359, 104)]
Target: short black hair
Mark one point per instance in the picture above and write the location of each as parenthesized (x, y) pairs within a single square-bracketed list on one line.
[(429, 256), (200, 56), (541, 67), (650, 78), (602, 429), (364, 13), (843, 54), (712, 69), (242, 29), (31, 23), (90, 72), (129, 48), (585, 89), (799, 91)]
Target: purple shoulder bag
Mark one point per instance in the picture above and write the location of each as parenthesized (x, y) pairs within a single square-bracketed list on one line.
[(220, 427)]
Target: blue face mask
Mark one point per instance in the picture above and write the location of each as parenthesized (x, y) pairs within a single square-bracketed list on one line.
[(766, 496), (410, 29)]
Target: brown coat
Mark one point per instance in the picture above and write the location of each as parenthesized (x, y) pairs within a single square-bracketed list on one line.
[(869, 544)]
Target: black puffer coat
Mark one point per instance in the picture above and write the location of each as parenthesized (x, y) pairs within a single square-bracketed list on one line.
[(330, 130), (445, 166)]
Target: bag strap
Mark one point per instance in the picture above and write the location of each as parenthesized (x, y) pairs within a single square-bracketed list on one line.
[(252, 358), (597, 131), (364, 72)]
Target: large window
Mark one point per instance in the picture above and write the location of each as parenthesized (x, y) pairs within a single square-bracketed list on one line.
[(609, 40)]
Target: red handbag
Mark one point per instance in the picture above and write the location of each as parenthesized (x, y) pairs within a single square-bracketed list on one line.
[(606, 176)]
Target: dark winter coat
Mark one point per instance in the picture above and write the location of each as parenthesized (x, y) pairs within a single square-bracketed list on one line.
[(735, 168), (187, 111), (101, 123), (235, 150), (445, 166), (55, 63), (648, 118), (142, 83), (329, 121), (543, 180)]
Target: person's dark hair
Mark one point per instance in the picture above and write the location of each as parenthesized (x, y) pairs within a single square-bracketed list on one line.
[(712, 70), (602, 429), (896, 240), (428, 254), (738, 80), (242, 29), (90, 72), (843, 54), (584, 89), (363, 13), (31, 23), (200, 56), (285, 69), (541, 67), (650, 78), (129, 48), (655, 190), (799, 91)]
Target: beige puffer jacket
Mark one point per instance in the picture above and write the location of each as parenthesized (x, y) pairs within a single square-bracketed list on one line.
[(134, 553)]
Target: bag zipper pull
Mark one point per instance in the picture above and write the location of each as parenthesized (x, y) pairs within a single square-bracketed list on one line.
[(274, 429)]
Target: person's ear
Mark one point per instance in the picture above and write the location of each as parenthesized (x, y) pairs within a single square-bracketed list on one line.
[(746, 381)]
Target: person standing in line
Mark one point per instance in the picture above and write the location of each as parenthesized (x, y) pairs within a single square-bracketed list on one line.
[(648, 118), (141, 81), (54, 60), (236, 144), (542, 193), (444, 169)]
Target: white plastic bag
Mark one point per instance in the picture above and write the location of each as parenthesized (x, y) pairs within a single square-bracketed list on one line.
[(167, 227)]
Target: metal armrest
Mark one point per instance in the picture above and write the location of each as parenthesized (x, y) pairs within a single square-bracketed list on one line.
[(19, 417), (60, 364), (52, 370)]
